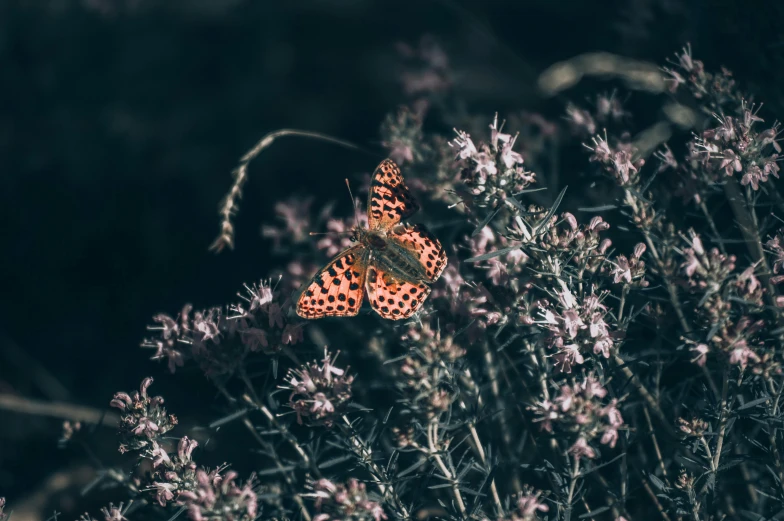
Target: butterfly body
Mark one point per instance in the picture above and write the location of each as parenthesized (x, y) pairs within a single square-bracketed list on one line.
[(391, 262)]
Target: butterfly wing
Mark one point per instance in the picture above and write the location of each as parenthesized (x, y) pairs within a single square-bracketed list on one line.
[(390, 200), (423, 245), (393, 297), (338, 289)]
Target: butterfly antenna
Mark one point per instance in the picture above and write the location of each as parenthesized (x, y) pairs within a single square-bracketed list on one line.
[(354, 204)]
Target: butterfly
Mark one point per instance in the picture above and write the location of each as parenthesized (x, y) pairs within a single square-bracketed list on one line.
[(392, 262)]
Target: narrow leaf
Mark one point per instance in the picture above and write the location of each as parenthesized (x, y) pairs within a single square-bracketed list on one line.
[(493, 254), (552, 210), (486, 221)]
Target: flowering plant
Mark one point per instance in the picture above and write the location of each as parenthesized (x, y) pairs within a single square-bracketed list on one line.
[(619, 359)]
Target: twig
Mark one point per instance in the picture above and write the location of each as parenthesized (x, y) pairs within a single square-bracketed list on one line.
[(269, 451), (434, 452), (723, 415), (64, 411), (481, 451), (284, 432), (572, 485), (647, 396), (772, 432), (653, 497), (747, 222), (365, 456), (655, 441)]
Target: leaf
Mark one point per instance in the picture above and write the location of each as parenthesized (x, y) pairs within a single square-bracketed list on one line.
[(753, 403), (597, 467), (275, 470), (334, 461), (530, 191), (492, 254), (470, 492), (517, 204), (597, 208), (443, 485), (486, 221), (657, 482), (552, 210), (178, 513), (593, 513), (648, 183), (412, 468), (229, 418)]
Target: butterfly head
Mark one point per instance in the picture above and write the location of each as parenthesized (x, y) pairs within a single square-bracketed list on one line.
[(357, 234)]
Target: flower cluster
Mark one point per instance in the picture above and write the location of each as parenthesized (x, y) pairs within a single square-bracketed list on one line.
[(618, 160), (344, 502), (728, 307), (705, 270), (550, 240), (401, 135), (492, 171), (206, 494), (144, 420), (577, 326), (580, 410), (715, 90), (630, 271), (736, 146), (110, 513), (213, 496), (429, 381), (220, 339), (319, 393)]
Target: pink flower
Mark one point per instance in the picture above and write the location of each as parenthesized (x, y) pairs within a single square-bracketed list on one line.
[(741, 354), (568, 356), (701, 351), (529, 503), (581, 449), (622, 271), (164, 492), (159, 455), (610, 437), (730, 162)]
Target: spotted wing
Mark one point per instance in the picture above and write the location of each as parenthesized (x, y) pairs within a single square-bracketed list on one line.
[(390, 200), (338, 289), (423, 245), (394, 298)]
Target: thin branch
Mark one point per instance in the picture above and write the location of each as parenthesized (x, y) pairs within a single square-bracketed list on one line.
[(63, 411), (655, 441), (572, 486), (432, 442), (365, 456), (481, 451), (653, 497)]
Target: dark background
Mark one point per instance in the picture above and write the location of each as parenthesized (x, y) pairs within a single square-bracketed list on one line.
[(122, 119)]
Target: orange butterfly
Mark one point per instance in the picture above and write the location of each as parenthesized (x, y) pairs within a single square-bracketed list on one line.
[(393, 262)]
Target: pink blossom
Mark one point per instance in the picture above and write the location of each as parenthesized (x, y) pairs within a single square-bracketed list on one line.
[(581, 449)]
